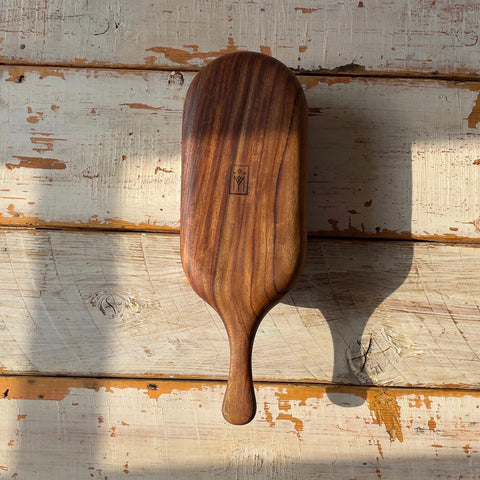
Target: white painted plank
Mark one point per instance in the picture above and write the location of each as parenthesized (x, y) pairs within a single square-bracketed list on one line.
[(87, 147), (374, 35), (100, 148), (107, 429), (384, 313)]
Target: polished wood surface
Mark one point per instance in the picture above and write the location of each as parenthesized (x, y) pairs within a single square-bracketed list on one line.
[(243, 227)]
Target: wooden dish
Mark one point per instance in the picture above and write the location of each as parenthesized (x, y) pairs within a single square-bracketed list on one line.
[(243, 222)]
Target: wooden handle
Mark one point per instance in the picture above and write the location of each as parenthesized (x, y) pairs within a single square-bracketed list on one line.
[(243, 222), (239, 405)]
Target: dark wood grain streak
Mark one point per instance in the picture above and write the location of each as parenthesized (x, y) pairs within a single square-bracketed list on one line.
[(243, 232)]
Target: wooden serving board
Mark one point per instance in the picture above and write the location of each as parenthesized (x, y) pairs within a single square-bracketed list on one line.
[(243, 228)]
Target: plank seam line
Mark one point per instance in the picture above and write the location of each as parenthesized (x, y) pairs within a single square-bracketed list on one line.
[(407, 75), (311, 236), (223, 381)]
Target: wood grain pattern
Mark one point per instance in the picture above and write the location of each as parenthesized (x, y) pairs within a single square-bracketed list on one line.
[(403, 155), (243, 219), (363, 312), (375, 36), (67, 428)]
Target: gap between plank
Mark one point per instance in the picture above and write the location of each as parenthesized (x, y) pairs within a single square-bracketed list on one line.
[(311, 236), (223, 381), (336, 72)]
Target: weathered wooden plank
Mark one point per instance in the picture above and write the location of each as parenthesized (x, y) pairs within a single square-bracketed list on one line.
[(67, 428), (99, 148), (384, 313), (353, 36), (69, 158)]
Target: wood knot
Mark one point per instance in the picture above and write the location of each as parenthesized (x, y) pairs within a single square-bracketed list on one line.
[(476, 224), (467, 38), (370, 357), (176, 78), (115, 305)]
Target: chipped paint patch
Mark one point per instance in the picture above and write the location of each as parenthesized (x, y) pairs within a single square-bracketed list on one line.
[(43, 72), (309, 82), (266, 50), (141, 106), (314, 111), (336, 80), (185, 57), (35, 118), (268, 414), (57, 388), (165, 170), (305, 10), (297, 422), (350, 68), (385, 410), (378, 445), (13, 212), (36, 162), (150, 60), (312, 81), (474, 116), (418, 400), (286, 398), (45, 144)]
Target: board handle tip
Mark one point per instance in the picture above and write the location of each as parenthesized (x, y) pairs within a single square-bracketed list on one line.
[(239, 404)]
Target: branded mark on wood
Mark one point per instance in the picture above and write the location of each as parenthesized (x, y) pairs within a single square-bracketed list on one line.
[(239, 180)]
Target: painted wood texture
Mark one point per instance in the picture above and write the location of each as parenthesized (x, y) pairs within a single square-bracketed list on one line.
[(100, 148), (363, 312), (66, 428), (243, 231), (426, 37)]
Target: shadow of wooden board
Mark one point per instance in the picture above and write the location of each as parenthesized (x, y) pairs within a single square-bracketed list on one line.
[(118, 304), (112, 429), (434, 37), (388, 158)]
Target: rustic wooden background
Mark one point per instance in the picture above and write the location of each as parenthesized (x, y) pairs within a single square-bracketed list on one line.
[(111, 367)]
